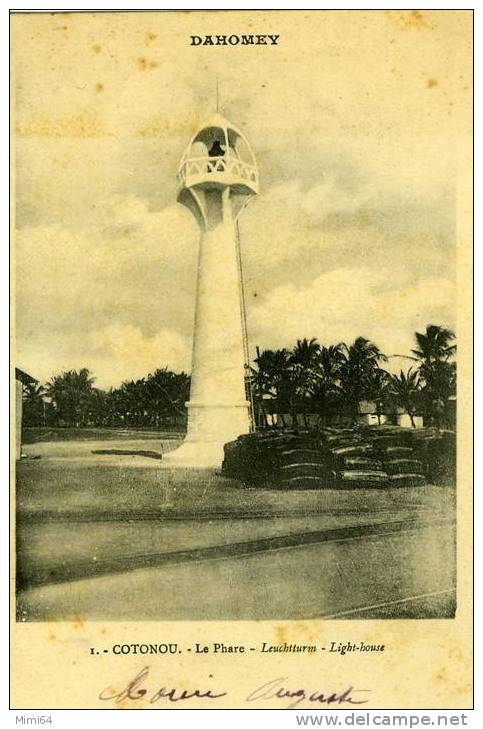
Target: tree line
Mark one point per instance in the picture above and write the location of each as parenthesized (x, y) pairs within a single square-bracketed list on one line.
[(311, 378), (70, 399), (338, 379)]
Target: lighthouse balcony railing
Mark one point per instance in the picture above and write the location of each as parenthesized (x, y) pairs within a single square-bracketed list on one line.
[(225, 168)]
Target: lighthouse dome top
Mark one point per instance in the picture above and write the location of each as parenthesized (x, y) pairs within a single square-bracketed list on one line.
[(217, 121), (218, 155)]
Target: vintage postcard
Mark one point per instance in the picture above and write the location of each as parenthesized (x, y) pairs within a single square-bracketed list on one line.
[(242, 379)]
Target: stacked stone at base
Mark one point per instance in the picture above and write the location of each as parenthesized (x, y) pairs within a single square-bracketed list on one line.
[(275, 459), (328, 458)]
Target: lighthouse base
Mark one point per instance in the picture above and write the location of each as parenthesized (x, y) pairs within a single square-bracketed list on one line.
[(209, 428), (195, 455)]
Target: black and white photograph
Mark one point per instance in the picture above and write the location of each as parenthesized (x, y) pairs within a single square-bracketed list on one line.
[(241, 363)]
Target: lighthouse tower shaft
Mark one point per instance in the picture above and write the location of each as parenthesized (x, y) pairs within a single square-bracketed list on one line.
[(216, 187)]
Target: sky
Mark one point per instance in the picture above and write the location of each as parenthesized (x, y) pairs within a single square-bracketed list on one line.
[(359, 123)]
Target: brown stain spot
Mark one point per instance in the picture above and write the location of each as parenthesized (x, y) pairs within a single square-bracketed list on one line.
[(441, 675), (431, 83), (84, 125), (97, 48), (103, 631), (150, 38), (163, 126), (143, 64), (455, 654), (78, 622), (304, 630), (99, 88), (125, 704), (411, 20), (51, 637), (280, 634), (416, 17)]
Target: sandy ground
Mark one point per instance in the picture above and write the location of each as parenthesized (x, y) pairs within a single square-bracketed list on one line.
[(136, 533), (81, 451)]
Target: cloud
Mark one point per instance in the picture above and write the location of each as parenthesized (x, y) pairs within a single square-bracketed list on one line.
[(119, 352), (354, 228), (114, 353), (346, 303), (74, 286), (337, 306), (118, 295)]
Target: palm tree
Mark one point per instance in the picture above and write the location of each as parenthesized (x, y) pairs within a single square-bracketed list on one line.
[(330, 360), (327, 391), (134, 402), (405, 390), (99, 408), (360, 362), (34, 404), (379, 391), (304, 366), (435, 345), (71, 394), (438, 385), (166, 394), (437, 373), (305, 353), (271, 378)]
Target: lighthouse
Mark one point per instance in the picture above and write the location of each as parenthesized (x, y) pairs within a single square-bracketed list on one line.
[(217, 177)]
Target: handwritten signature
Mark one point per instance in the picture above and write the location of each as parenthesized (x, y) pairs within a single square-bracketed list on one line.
[(135, 691), (275, 689)]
